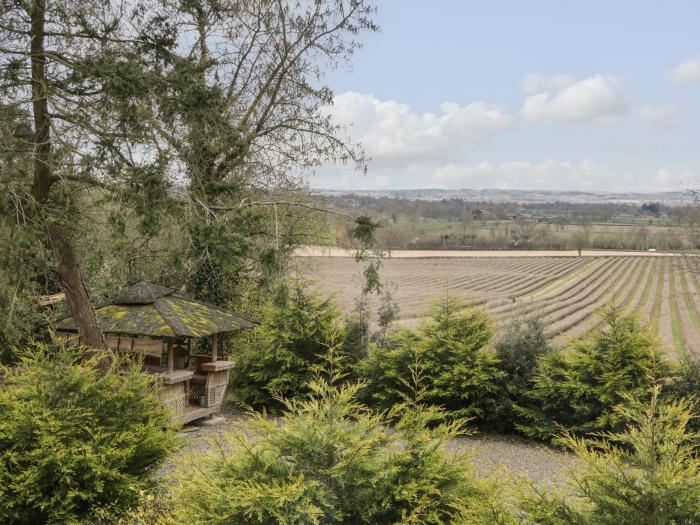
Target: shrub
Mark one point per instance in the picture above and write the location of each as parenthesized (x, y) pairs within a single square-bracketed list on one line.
[(283, 352), (686, 384), (73, 441), (459, 372), (580, 387), (519, 348), (648, 474), (331, 461)]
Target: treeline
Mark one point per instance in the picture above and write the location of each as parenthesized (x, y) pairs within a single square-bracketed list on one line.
[(362, 429), (458, 209), (532, 235), (456, 224)]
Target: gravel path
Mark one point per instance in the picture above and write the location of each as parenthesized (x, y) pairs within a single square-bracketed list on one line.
[(502, 456), (493, 455)]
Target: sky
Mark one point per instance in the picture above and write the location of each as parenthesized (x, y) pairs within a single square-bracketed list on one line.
[(540, 94)]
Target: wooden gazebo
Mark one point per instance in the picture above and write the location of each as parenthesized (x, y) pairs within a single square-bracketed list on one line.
[(154, 321)]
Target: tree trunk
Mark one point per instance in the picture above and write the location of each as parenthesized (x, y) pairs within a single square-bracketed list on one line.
[(73, 285), (67, 262)]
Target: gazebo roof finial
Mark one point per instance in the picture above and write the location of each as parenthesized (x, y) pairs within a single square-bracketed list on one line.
[(142, 293)]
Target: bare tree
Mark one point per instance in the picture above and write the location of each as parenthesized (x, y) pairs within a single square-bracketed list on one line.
[(581, 238)]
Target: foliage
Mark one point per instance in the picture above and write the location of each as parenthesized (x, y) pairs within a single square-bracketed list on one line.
[(282, 353), (580, 387), (519, 346), (200, 111), (460, 372), (387, 313), (242, 109), (332, 461), (685, 383), (647, 474), (73, 441), (363, 235)]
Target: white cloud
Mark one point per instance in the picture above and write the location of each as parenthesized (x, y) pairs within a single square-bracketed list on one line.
[(596, 99), (554, 174), (686, 71), (389, 129), (534, 82)]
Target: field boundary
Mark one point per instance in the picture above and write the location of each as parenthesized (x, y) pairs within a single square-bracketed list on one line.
[(332, 251)]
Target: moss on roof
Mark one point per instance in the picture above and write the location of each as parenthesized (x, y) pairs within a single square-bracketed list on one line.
[(155, 311)]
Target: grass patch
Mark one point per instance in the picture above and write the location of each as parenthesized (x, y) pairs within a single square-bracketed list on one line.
[(558, 282)]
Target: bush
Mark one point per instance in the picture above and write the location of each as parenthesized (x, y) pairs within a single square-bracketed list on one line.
[(458, 371), (686, 384), (73, 441), (284, 351), (580, 387), (519, 348), (649, 474), (331, 461)]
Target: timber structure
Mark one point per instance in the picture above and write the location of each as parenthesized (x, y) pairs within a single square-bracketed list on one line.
[(162, 326)]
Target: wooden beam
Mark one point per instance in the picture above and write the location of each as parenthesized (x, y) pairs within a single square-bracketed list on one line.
[(171, 357), (214, 349)]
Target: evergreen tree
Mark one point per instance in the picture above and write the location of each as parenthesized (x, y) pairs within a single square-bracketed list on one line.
[(579, 387), (283, 353), (460, 371), (73, 442), (200, 111), (648, 474), (519, 347)]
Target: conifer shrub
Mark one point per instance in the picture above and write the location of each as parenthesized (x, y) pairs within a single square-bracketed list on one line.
[(73, 442), (281, 355), (647, 474), (519, 347), (685, 383), (459, 370), (580, 386), (330, 460)]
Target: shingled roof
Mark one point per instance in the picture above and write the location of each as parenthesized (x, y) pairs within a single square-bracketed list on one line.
[(156, 311)]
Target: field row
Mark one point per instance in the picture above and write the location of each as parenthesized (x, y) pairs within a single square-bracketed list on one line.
[(568, 292)]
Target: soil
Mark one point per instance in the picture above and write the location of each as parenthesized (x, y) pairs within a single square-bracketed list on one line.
[(508, 286)]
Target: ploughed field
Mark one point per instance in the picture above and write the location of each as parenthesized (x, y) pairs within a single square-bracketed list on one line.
[(568, 292)]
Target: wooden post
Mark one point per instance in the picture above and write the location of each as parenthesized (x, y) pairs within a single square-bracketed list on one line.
[(171, 357), (214, 349)]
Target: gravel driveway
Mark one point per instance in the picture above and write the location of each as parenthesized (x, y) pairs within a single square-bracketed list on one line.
[(493, 455)]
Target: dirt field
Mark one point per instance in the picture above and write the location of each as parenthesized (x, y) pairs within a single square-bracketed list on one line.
[(568, 291)]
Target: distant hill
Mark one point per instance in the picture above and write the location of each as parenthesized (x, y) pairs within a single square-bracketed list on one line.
[(670, 198)]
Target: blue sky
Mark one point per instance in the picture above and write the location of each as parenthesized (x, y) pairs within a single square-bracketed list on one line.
[(524, 94)]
